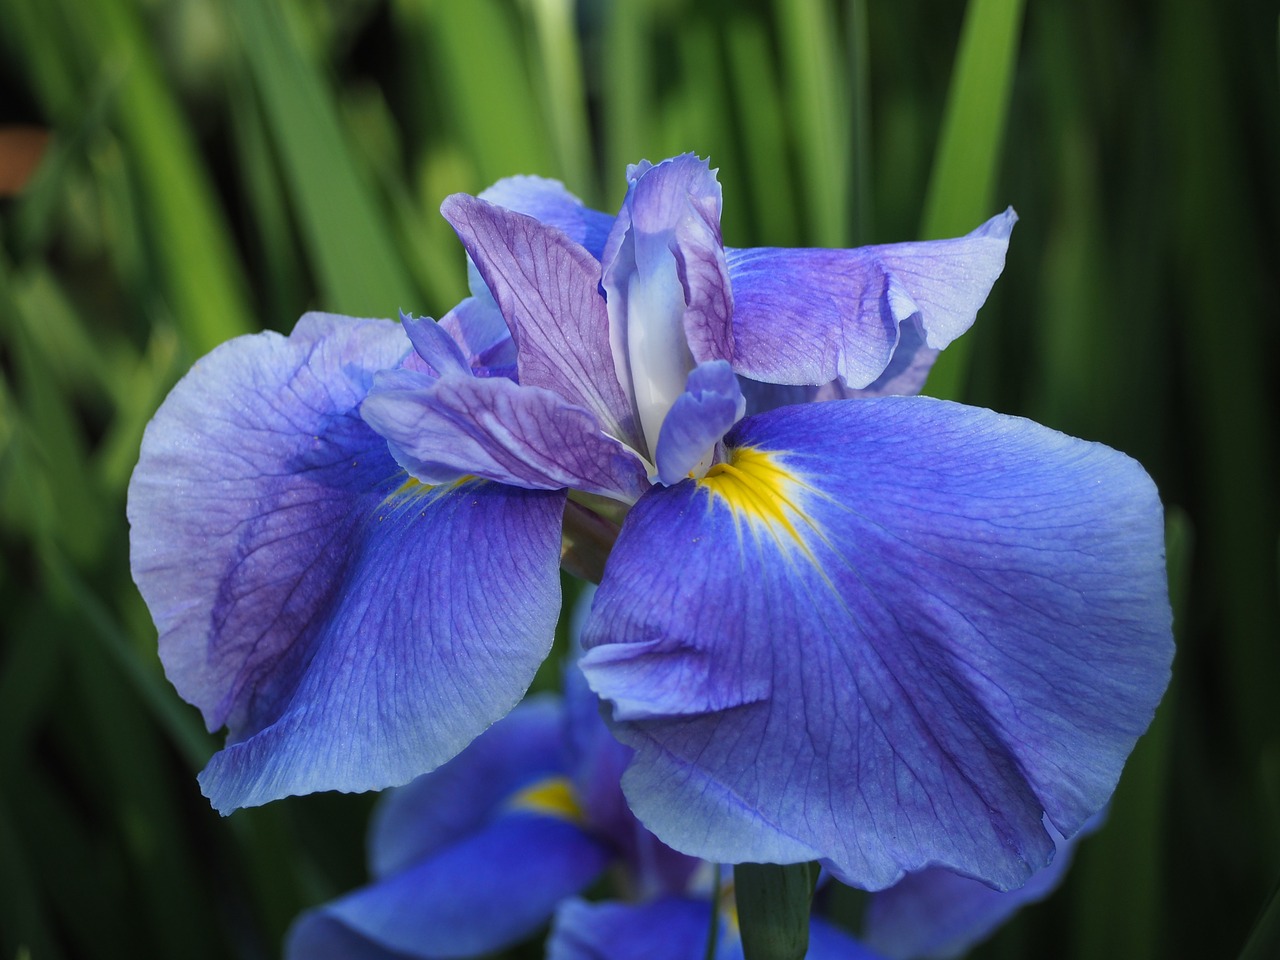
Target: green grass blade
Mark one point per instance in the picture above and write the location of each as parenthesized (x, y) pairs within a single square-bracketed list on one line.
[(345, 234), (770, 184), (862, 217), (478, 55), (627, 90), (816, 88), (564, 95), (961, 187)]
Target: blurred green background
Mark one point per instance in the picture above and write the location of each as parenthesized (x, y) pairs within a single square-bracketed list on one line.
[(221, 166)]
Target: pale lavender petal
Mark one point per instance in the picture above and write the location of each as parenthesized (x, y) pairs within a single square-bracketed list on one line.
[(548, 289), (810, 316), (898, 635), (667, 284), (440, 429)]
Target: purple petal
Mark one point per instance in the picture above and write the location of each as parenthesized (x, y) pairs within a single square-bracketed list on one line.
[(549, 202), (437, 809), (897, 635), (810, 316), (476, 325), (434, 345), (548, 290), (597, 760), (484, 893), (350, 632), (711, 404), (442, 429), (667, 283), (939, 914), (904, 377)]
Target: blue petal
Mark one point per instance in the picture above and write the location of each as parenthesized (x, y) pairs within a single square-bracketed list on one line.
[(549, 202), (597, 761), (673, 929), (548, 289), (711, 404), (484, 893), (829, 942), (350, 632), (939, 914), (444, 428), (844, 309), (417, 820), (895, 634)]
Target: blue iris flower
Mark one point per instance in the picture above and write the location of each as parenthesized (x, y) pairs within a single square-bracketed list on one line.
[(884, 631), (485, 851)]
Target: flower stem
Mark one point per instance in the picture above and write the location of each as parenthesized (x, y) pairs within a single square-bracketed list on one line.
[(773, 908), (586, 542)]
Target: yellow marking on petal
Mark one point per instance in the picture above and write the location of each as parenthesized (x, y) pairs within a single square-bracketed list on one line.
[(412, 488), (550, 797), (760, 490)]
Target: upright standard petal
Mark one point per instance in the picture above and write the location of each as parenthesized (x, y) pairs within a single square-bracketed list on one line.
[(845, 308), (667, 284), (887, 634), (350, 629), (548, 289)]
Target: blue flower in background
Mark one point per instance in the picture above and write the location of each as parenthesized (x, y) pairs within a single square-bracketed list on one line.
[(484, 852), (885, 632)]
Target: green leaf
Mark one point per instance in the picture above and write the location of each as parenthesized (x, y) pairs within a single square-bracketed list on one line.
[(962, 185), (815, 84), (344, 232), (773, 908), (1264, 941)]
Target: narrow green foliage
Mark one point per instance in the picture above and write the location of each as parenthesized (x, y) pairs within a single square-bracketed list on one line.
[(962, 185), (818, 104), (1264, 940), (345, 233), (494, 110), (626, 85), (770, 185), (186, 239), (559, 70)]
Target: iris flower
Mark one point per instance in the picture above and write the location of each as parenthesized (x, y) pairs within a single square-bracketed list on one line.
[(883, 631), (485, 851)]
